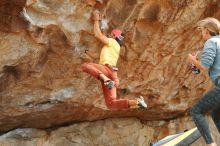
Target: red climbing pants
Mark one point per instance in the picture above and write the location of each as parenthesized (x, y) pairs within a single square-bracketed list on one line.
[(109, 94)]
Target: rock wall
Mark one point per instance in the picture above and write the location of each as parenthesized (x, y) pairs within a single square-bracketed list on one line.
[(109, 132), (43, 44)]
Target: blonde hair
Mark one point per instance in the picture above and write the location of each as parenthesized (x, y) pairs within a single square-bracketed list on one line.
[(212, 24)]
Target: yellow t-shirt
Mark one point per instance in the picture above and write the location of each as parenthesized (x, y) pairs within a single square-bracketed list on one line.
[(110, 53)]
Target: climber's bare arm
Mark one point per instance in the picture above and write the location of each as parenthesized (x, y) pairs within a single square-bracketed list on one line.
[(192, 59), (97, 31)]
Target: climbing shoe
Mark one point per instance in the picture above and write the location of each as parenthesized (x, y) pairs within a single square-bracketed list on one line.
[(141, 102), (109, 84)]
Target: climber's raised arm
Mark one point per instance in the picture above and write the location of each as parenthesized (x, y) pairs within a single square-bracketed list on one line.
[(97, 31)]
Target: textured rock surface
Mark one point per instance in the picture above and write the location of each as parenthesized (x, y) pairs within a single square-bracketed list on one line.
[(110, 132), (42, 86)]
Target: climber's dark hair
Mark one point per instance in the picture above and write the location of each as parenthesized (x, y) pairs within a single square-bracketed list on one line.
[(120, 39)]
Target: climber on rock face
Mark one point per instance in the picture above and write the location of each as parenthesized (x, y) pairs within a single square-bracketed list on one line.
[(210, 65), (106, 70)]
